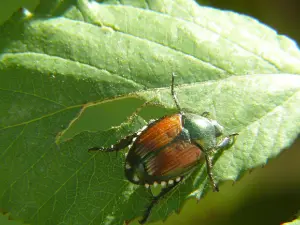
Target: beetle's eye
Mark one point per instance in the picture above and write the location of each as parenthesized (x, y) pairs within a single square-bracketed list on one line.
[(218, 128)]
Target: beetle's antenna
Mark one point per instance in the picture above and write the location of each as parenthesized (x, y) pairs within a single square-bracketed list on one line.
[(174, 94)]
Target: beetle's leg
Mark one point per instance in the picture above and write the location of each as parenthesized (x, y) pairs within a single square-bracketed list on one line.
[(227, 142), (155, 201), (173, 93), (123, 143), (209, 166)]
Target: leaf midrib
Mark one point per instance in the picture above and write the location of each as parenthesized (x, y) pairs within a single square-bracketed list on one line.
[(136, 94)]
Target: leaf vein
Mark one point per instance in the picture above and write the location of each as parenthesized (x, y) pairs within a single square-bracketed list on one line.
[(80, 62), (60, 187), (12, 143), (34, 95), (42, 117), (225, 38), (271, 110), (173, 49)]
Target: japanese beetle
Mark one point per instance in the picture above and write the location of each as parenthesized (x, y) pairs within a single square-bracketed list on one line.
[(168, 149)]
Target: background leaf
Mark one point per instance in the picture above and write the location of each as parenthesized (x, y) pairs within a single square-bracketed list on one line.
[(88, 70)]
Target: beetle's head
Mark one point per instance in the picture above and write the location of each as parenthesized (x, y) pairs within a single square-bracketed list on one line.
[(218, 128)]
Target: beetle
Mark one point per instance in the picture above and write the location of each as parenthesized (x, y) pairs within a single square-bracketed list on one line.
[(168, 149)]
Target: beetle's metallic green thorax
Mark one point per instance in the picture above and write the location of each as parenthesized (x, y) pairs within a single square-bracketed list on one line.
[(202, 130)]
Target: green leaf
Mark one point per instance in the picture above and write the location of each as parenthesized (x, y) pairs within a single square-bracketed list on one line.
[(294, 222), (69, 83)]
